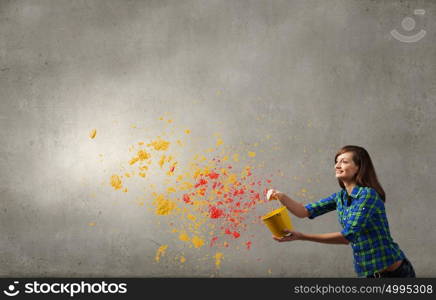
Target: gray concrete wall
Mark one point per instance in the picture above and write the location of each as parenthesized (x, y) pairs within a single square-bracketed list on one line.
[(291, 80)]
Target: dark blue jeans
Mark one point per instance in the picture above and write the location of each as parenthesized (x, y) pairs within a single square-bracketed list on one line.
[(404, 270)]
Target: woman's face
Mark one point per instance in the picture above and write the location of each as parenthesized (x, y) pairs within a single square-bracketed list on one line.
[(345, 167)]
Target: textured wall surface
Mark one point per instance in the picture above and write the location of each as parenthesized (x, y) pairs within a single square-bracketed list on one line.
[(291, 80)]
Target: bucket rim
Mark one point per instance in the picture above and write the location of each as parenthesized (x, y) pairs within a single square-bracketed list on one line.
[(273, 213)]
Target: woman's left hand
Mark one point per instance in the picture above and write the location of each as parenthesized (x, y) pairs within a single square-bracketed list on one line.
[(295, 236)]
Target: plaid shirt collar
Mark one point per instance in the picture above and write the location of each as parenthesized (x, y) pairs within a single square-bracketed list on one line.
[(354, 193)]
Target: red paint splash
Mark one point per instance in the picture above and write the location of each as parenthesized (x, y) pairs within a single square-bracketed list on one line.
[(248, 244), (201, 182), (212, 242), (213, 175), (215, 213), (186, 199)]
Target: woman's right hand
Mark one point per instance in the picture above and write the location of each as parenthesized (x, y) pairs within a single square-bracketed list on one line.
[(273, 194)]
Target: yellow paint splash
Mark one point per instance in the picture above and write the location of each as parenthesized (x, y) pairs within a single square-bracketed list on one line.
[(187, 131), (116, 182), (218, 256), (219, 142), (159, 144), (163, 206), (91, 224), (162, 161), (182, 259), (197, 242), (251, 154), (93, 133), (140, 156), (184, 237), (160, 252), (235, 157)]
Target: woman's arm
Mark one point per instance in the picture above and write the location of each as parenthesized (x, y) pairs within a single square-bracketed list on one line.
[(296, 208), (327, 238)]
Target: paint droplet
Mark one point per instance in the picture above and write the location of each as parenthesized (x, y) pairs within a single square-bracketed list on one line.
[(236, 234), (197, 242), (248, 244), (116, 182), (163, 206), (215, 213), (192, 218), (93, 133), (140, 156), (218, 257), (251, 154), (160, 252), (159, 144), (219, 142), (184, 237)]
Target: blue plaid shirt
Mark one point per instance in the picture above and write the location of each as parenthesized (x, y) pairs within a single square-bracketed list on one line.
[(365, 225)]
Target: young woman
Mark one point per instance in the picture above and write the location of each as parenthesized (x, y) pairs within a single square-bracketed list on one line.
[(361, 213)]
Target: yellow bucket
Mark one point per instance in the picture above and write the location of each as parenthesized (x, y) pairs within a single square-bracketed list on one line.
[(277, 221)]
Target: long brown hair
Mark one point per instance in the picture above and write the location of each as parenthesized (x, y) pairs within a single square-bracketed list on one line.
[(366, 175)]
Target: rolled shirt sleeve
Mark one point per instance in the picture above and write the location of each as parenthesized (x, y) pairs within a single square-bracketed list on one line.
[(359, 213), (322, 206)]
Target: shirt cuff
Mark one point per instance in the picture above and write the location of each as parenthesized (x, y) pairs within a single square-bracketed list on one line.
[(348, 235), (310, 210)]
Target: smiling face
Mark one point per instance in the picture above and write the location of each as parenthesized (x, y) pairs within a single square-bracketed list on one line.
[(345, 167)]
